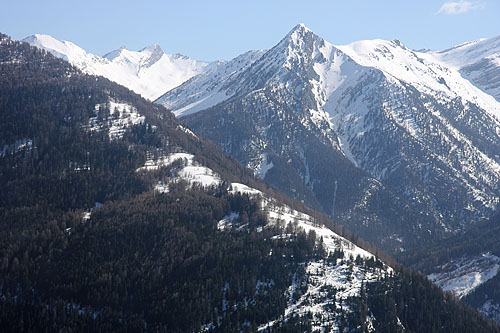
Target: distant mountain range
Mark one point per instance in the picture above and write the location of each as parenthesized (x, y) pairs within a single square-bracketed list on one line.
[(149, 72)]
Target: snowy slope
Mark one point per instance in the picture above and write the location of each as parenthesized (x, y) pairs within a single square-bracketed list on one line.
[(477, 61), (468, 53), (417, 112), (121, 117), (149, 72), (189, 170), (331, 281), (210, 88), (418, 69)]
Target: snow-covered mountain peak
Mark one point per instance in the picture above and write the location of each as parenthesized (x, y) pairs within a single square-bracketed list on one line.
[(154, 53), (155, 48), (299, 39), (115, 53), (298, 32), (149, 72), (301, 26)]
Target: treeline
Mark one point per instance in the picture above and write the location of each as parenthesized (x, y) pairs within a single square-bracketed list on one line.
[(479, 239)]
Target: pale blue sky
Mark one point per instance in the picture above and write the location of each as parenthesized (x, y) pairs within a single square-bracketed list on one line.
[(209, 30)]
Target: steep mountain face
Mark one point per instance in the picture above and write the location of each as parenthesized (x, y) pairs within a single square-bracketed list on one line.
[(149, 72), (411, 128), (478, 61), (423, 131), (275, 126)]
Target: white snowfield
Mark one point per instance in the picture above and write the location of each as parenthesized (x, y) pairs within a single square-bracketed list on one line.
[(464, 275), (468, 53), (477, 61), (149, 72), (344, 275), (153, 163), (491, 310)]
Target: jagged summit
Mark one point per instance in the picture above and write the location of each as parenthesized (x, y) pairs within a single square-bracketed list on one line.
[(115, 53), (301, 27), (152, 48), (154, 52), (298, 35)]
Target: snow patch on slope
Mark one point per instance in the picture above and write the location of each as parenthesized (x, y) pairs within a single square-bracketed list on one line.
[(189, 170), (121, 117), (153, 163), (227, 221), (491, 310), (265, 166), (19, 145), (464, 275)]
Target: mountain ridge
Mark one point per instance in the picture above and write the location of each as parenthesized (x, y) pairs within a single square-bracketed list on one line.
[(395, 113)]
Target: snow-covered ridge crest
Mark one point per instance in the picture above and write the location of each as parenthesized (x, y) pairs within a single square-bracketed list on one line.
[(478, 62), (421, 70), (149, 72), (469, 52), (212, 86)]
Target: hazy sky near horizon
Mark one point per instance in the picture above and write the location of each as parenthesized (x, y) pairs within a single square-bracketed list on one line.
[(210, 30)]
